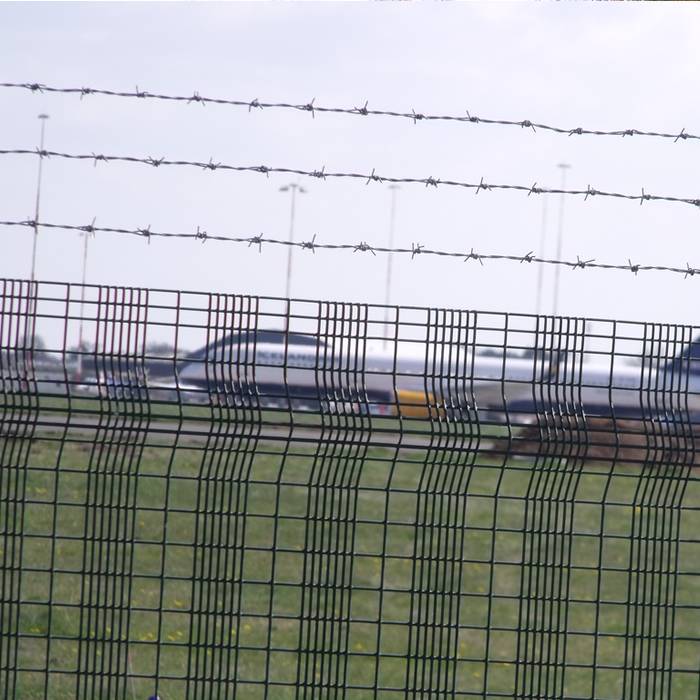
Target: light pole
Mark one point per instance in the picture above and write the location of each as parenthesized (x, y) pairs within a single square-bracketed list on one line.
[(42, 118), (82, 305), (389, 262), (563, 167), (540, 268), (292, 187)]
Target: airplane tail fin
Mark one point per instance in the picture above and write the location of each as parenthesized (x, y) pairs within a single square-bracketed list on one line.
[(688, 360)]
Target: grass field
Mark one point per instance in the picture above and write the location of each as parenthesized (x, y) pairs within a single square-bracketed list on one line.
[(427, 572)]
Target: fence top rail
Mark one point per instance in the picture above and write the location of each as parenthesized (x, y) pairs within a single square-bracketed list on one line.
[(38, 290)]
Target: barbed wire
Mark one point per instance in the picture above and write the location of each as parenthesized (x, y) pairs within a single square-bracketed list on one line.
[(416, 249), (364, 111), (322, 174)]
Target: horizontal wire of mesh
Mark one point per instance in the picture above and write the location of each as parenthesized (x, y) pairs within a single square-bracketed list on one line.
[(217, 495)]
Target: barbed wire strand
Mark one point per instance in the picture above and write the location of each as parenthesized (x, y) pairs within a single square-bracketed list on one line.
[(365, 111), (368, 178), (363, 246)]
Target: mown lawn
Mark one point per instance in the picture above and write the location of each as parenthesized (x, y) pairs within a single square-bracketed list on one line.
[(195, 552)]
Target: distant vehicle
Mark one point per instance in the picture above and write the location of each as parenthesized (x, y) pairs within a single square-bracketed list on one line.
[(128, 384), (37, 372)]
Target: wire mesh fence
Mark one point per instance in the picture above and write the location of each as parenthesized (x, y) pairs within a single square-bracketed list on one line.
[(218, 495)]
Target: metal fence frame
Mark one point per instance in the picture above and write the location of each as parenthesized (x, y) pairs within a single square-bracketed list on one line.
[(452, 503)]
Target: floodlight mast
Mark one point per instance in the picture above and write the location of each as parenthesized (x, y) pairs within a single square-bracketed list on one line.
[(389, 262), (42, 117), (32, 296), (292, 187), (560, 234)]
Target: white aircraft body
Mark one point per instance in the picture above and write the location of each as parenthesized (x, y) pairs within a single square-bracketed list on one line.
[(300, 370)]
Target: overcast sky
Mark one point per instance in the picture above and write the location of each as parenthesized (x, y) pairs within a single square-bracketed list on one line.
[(596, 66)]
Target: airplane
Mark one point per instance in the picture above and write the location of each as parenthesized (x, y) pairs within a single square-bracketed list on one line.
[(654, 388), (274, 369), (296, 371), (278, 370)]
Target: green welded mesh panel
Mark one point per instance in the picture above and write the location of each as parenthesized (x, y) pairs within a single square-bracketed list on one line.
[(225, 496)]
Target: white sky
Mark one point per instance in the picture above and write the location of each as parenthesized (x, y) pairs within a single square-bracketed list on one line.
[(597, 66)]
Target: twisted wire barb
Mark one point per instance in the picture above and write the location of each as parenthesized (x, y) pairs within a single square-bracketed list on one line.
[(416, 249), (322, 174), (363, 111)]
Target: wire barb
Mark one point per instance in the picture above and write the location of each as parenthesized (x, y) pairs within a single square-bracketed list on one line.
[(582, 263), (309, 245), (363, 247), (309, 107), (90, 228), (362, 110), (474, 256), (373, 178), (482, 186)]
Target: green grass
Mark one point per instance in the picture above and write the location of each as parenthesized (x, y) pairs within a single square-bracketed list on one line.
[(178, 503)]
